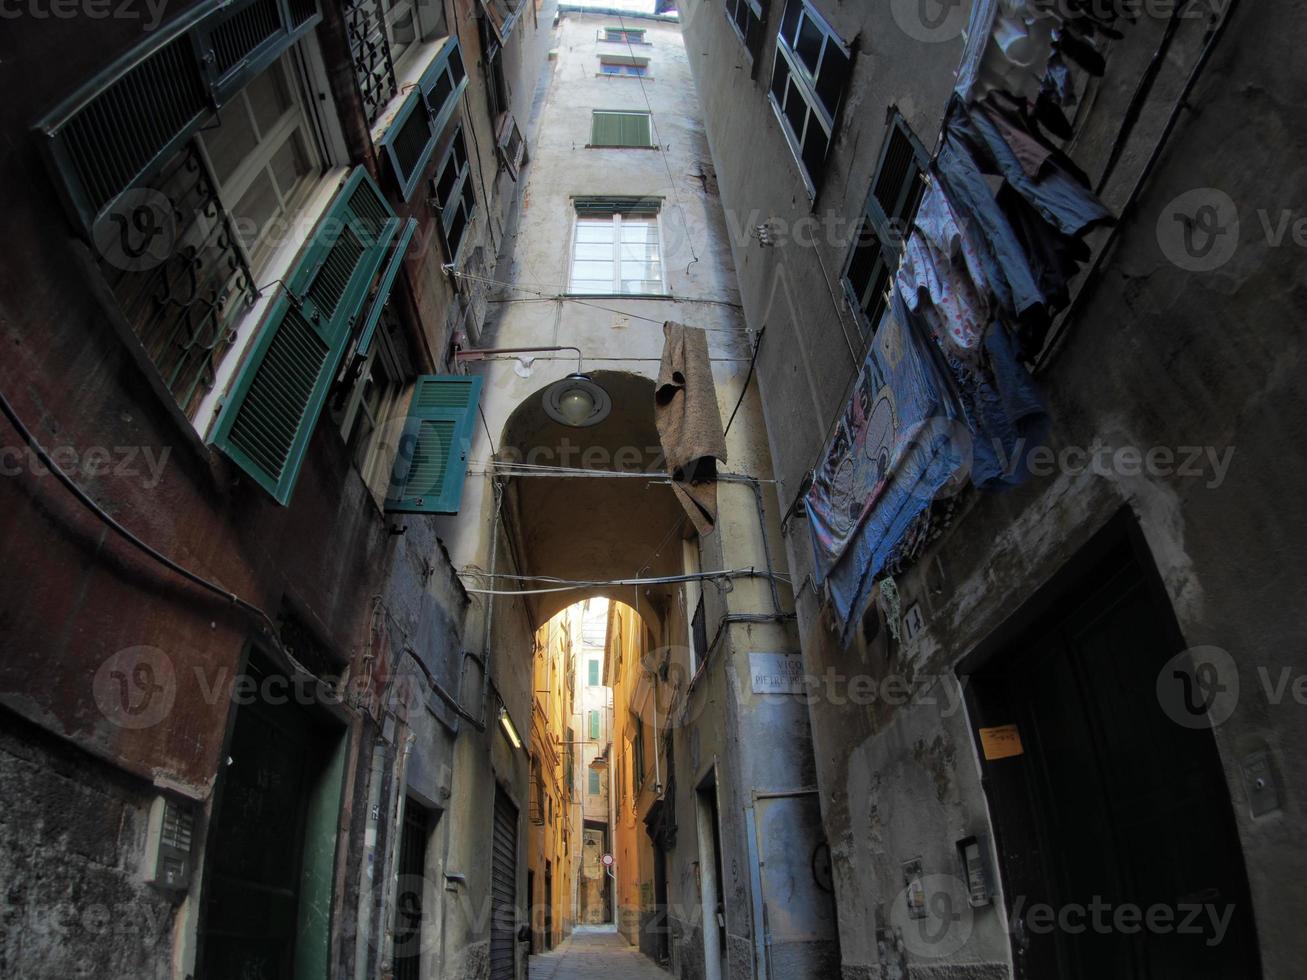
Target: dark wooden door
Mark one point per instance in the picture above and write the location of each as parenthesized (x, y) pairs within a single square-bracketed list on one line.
[(1111, 806), (503, 888), (256, 844)]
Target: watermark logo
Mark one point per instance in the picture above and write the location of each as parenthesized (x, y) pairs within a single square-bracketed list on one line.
[(930, 21), (1199, 687), (135, 688), (139, 232), (1199, 230), (931, 916)]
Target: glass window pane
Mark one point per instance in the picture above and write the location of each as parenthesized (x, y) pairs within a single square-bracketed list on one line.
[(796, 110), (809, 44), (269, 96), (255, 209), (232, 141), (641, 286), (590, 230), (587, 270), (591, 286), (834, 74), (290, 165), (639, 231), (598, 252)]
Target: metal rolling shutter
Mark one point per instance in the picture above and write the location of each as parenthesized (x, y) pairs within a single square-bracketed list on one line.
[(503, 888)]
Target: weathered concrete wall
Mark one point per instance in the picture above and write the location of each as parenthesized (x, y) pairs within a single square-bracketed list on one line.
[(1150, 360)]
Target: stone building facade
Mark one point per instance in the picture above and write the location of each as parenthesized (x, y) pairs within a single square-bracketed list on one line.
[(1085, 649)]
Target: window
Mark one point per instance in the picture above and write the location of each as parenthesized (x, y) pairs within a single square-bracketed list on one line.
[(455, 198), (264, 158), (637, 749), (746, 17), (594, 673), (896, 190), (808, 79), (620, 65), (610, 128), (422, 119), (363, 407), (615, 247), (623, 35), (594, 724), (409, 22), (595, 786)]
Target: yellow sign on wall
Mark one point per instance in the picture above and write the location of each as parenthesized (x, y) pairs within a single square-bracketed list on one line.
[(1002, 742)]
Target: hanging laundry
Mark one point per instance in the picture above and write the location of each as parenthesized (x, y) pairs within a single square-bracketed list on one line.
[(944, 294), (893, 450)]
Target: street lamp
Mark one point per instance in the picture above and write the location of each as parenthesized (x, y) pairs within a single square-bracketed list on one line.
[(577, 401)]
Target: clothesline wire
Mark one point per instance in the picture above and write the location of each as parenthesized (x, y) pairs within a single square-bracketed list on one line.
[(564, 298)]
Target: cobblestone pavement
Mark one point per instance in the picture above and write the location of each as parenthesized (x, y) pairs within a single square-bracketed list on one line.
[(595, 953)]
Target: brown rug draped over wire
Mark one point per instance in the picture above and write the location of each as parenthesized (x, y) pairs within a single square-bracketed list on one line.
[(689, 422)]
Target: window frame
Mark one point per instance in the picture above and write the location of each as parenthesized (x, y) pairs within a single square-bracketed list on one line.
[(463, 183), (617, 216), (644, 114), (731, 9), (875, 221), (802, 82), (611, 61), (605, 33), (295, 120)]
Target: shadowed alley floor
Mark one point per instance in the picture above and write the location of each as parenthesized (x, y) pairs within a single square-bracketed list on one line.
[(595, 953)]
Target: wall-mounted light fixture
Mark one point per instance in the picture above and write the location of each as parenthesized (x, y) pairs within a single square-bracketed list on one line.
[(576, 401), (506, 723)]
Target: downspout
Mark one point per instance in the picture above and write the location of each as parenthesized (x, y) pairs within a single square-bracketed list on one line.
[(490, 608)]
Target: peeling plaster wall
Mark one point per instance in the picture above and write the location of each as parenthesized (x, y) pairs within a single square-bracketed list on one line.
[(1154, 357)]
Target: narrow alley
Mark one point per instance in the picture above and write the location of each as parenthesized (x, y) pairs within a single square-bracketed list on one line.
[(595, 953), (653, 489)]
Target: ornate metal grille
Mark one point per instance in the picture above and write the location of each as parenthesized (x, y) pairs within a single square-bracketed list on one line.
[(374, 69), (171, 256)]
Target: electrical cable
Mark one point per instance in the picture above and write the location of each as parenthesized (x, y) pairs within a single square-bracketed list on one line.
[(565, 298), (747, 378)]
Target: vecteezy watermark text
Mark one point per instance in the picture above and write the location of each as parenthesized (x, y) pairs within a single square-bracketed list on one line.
[(116, 461), (150, 11)]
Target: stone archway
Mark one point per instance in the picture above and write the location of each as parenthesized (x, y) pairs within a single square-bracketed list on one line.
[(593, 528)]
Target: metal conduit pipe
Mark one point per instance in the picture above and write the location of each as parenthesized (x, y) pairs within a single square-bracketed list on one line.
[(752, 481), (489, 618)]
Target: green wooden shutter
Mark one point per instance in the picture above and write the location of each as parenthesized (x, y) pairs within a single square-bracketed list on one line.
[(619, 129), (635, 129), (594, 724), (242, 39), (269, 415), (122, 125), (384, 286), (431, 459), (411, 138)]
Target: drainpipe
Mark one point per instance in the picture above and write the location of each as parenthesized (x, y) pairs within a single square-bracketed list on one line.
[(752, 482), (367, 902), (490, 609)]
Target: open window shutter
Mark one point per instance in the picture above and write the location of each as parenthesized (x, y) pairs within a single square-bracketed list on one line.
[(243, 39), (897, 186), (126, 122), (431, 459), (412, 136), (382, 294), (268, 417), (120, 127)]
